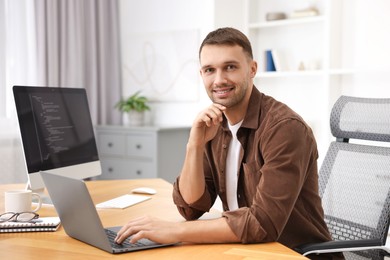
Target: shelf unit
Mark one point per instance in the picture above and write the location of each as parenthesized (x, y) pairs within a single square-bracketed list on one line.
[(344, 51), (300, 42)]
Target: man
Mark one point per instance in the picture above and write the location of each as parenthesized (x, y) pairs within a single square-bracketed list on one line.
[(265, 172)]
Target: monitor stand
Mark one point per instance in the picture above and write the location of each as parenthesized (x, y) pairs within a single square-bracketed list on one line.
[(44, 197)]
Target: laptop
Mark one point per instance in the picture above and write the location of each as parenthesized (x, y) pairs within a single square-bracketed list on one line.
[(80, 219)]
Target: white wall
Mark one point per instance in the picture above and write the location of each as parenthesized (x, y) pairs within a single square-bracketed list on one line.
[(156, 17), (366, 46), (365, 43)]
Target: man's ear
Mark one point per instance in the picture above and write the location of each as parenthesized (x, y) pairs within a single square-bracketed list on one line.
[(253, 69)]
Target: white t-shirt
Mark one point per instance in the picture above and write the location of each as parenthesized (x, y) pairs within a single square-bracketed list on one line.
[(232, 167)]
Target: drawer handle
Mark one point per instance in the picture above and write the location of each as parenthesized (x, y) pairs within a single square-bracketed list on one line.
[(110, 144), (138, 146), (110, 169), (139, 172)]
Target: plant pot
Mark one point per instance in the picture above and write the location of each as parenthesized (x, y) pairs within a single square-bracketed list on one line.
[(135, 118)]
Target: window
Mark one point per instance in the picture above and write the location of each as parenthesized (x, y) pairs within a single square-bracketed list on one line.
[(2, 60), (17, 56)]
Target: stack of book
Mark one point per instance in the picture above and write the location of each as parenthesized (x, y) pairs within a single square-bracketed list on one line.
[(43, 224)]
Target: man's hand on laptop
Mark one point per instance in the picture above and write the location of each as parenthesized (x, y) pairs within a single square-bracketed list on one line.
[(154, 229)]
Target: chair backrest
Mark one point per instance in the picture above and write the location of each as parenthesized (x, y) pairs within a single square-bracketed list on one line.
[(354, 178)]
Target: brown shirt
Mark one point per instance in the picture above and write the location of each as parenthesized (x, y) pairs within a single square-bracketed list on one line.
[(277, 184)]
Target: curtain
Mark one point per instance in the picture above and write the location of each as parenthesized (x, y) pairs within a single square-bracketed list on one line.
[(78, 45), (17, 67)]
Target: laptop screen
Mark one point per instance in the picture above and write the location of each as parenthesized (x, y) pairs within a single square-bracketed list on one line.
[(55, 127)]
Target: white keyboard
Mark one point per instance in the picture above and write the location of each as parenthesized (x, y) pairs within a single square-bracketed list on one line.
[(122, 202)]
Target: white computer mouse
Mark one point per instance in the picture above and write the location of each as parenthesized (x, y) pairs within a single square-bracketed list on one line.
[(144, 190)]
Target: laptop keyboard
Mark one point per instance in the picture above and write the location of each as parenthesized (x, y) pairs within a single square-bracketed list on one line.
[(126, 244)]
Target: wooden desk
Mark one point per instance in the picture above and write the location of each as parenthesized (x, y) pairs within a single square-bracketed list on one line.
[(57, 245)]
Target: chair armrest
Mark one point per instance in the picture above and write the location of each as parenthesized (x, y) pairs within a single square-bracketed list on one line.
[(340, 246)]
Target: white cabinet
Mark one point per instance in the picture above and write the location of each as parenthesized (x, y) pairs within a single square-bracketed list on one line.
[(141, 152)]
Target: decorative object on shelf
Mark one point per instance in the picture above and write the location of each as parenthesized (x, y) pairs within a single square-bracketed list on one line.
[(313, 64), (308, 12), (273, 16), (301, 66), (135, 106)]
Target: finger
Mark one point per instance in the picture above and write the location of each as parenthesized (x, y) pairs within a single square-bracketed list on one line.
[(126, 232), (217, 114), (207, 119), (141, 234), (123, 236), (128, 229), (212, 115), (124, 228)]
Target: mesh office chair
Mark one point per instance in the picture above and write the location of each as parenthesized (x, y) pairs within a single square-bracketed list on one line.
[(354, 180)]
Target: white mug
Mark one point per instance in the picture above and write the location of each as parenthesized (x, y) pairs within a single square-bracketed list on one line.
[(20, 201)]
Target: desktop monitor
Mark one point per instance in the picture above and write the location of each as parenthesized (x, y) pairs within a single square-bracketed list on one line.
[(56, 132)]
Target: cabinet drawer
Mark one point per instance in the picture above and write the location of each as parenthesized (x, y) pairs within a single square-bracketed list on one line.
[(141, 146), (112, 144), (127, 169)]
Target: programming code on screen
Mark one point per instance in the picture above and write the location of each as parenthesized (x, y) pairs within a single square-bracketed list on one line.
[(56, 127)]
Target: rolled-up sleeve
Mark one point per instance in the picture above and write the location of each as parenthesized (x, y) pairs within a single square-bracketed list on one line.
[(245, 225), (194, 210)]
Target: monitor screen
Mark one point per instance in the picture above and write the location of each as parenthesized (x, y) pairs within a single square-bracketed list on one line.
[(56, 131)]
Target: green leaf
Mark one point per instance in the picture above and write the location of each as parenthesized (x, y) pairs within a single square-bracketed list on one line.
[(133, 102)]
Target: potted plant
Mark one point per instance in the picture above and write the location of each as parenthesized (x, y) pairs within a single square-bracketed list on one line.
[(135, 106)]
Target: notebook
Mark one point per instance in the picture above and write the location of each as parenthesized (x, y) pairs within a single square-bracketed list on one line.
[(80, 219), (41, 224)]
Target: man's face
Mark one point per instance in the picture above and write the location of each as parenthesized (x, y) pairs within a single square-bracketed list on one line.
[(227, 73)]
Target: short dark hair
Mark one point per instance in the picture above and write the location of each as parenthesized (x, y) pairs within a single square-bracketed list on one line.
[(228, 36)]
